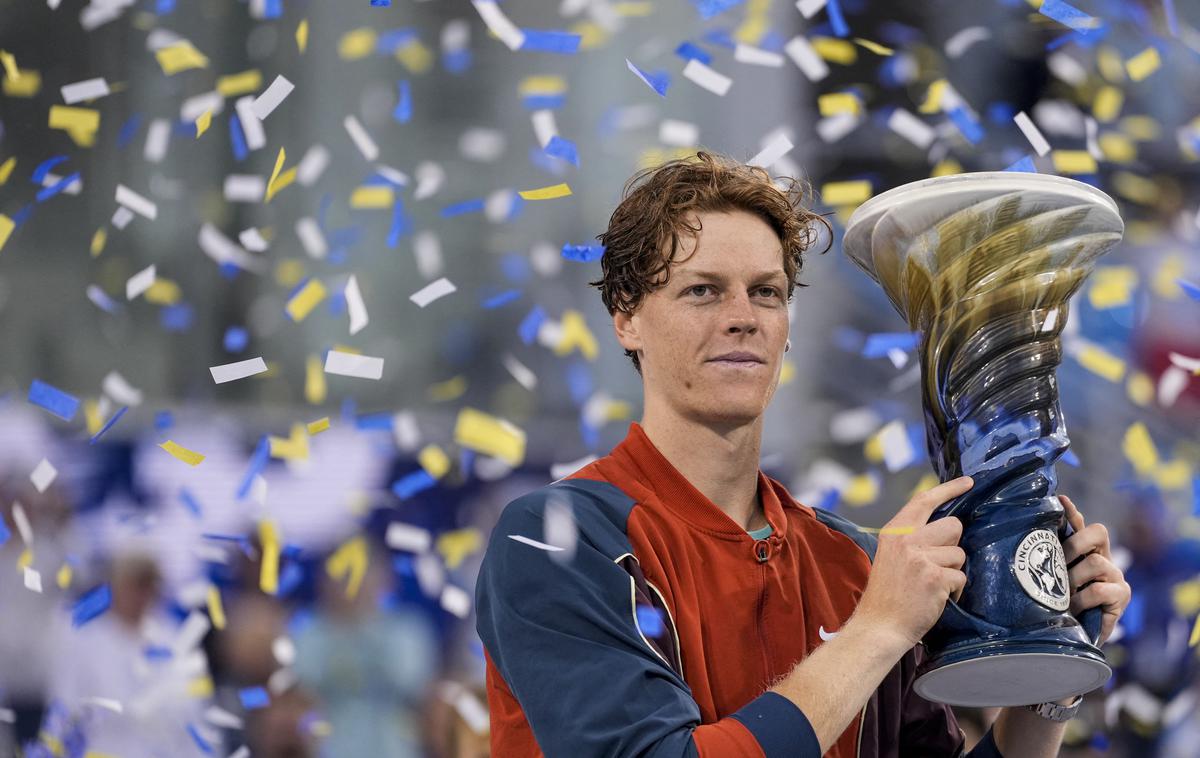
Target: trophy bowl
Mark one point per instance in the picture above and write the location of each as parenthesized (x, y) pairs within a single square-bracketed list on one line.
[(982, 266)]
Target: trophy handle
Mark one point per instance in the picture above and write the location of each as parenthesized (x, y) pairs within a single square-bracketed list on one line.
[(1093, 618)]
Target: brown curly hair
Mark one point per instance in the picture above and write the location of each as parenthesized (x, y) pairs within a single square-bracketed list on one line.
[(656, 207)]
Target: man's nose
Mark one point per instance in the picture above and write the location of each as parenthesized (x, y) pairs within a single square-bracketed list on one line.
[(740, 315)]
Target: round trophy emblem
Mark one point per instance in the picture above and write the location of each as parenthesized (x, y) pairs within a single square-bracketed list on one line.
[(1041, 569)]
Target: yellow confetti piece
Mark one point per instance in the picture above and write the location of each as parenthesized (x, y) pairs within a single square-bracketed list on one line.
[(357, 43), (547, 193), (52, 743), (347, 349), (434, 460), (542, 85), (1174, 475), (1143, 64), (933, 97), (862, 490), (1139, 189), (1185, 597), (372, 197), (947, 167), (456, 546), (489, 435), (1107, 104), (1110, 63), (240, 84), (200, 687), (293, 448), (1139, 448), (203, 122), (1195, 638), (349, 559), (633, 8), (98, 240), (25, 559), (1165, 282), (9, 61), (190, 457), (305, 300), (451, 389), (835, 50), (591, 34), (1140, 389), (28, 84), (927, 482), (1102, 363), (91, 416), (181, 56), (289, 272), (63, 577), (873, 448), (1074, 162), (1117, 147), (268, 575), (415, 56), (302, 36), (846, 193), (6, 169), (576, 335), (314, 381), (164, 292), (215, 610), (1112, 286), (318, 426), (836, 103), (787, 372), (74, 120), (6, 227), (888, 529), (277, 182), (752, 30), (874, 47), (1141, 128), (618, 410)]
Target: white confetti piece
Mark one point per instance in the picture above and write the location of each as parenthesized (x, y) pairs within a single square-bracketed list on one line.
[(270, 99), (196, 106), (412, 539), (284, 650), (534, 543), (756, 56), (544, 126), (456, 35), (519, 371), (219, 717), (559, 528), (430, 177), (499, 205), (911, 128), (135, 202), (241, 752), (471, 710), (1092, 129), (157, 136), (21, 522), (43, 475), (107, 703), (120, 390), (312, 165), (252, 240), (484, 145), (245, 188), (805, 57), (832, 128), (427, 249), (190, 633), (348, 364), (456, 600), (853, 425), (33, 580), (51, 179), (559, 470), (498, 24), (224, 250), (778, 147), (252, 128), (810, 8), (88, 89), (706, 78), (361, 139), (1171, 385), (8, 716), (1030, 130), (355, 305), (964, 38), (139, 282), (433, 291), (229, 372), (311, 237), (1067, 68), (1184, 362), (897, 448), (395, 176), (121, 217), (678, 133), (101, 299)]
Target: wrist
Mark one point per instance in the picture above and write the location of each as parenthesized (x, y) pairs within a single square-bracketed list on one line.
[(880, 635)]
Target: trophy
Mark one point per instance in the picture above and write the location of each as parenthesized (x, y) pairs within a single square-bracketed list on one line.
[(982, 265)]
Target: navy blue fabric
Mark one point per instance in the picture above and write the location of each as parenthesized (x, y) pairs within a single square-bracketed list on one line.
[(781, 729), (864, 540), (986, 748)]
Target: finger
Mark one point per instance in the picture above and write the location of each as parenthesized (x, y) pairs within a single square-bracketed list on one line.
[(944, 531), (955, 581), (1091, 539), (1074, 517), (921, 507), (1111, 595), (1094, 567), (947, 556), (1107, 624)]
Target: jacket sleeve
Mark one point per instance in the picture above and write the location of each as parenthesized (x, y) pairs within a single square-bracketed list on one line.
[(562, 630)]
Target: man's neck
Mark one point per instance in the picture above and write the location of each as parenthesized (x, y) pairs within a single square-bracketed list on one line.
[(722, 463)]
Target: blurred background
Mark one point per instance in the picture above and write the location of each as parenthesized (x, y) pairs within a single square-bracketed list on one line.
[(277, 557)]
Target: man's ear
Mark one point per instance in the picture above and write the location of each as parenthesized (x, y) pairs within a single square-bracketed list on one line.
[(626, 331)]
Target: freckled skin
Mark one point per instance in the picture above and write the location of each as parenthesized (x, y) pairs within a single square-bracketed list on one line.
[(677, 328)]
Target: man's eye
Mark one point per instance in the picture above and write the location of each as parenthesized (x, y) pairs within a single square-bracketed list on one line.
[(694, 287), (771, 291)]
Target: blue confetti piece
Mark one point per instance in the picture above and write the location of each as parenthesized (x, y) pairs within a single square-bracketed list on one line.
[(564, 149), (1000, 113), (530, 324), (466, 206), (1196, 496), (129, 130), (410, 484), (504, 298), (190, 502), (337, 304), (237, 139), (164, 7), (54, 400), (967, 125), (91, 605), (1172, 19), (1025, 164), (49, 192), (43, 168), (108, 425), (710, 8), (5, 534), (457, 61), (1192, 290), (830, 499), (879, 345), (550, 165), (650, 621), (291, 577), (549, 41), (544, 102), (658, 81), (403, 110), (177, 318), (235, 340), (1070, 458), (381, 3), (690, 52), (1068, 15), (721, 37), (515, 267), (375, 421), (163, 420), (273, 9), (836, 19), (583, 253), (258, 461), (579, 382), (201, 743), (156, 652), (401, 224)]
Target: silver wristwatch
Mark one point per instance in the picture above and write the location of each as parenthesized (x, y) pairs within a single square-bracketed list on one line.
[(1056, 712)]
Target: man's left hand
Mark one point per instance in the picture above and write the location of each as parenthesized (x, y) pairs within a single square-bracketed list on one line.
[(1095, 579)]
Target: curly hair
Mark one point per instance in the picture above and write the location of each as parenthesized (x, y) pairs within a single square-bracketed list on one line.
[(656, 209)]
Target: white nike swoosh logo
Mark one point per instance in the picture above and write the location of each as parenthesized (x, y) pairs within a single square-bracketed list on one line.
[(826, 636)]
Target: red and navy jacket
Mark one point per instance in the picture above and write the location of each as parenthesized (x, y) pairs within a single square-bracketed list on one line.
[(660, 633)]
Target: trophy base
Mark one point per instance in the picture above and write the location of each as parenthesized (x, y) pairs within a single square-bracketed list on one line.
[(1011, 673)]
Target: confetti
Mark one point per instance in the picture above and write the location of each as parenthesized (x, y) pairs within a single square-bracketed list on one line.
[(707, 78), (317, 426), (43, 475), (268, 575), (240, 370), (432, 292), (658, 81), (964, 39), (253, 698), (778, 147), (355, 306), (311, 237), (203, 123), (836, 103), (215, 610), (251, 128), (361, 139), (236, 85), (190, 457), (911, 128), (307, 297), (349, 560), (806, 58), (1069, 15), (1030, 130), (268, 101), (136, 203), (408, 538), (1139, 449), (6, 227), (1074, 162), (348, 364), (181, 56), (139, 282), (490, 435), (846, 193), (108, 425), (54, 400), (756, 56), (498, 24), (91, 605), (546, 193), (89, 89)]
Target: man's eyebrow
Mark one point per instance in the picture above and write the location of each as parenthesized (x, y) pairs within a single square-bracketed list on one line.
[(773, 273)]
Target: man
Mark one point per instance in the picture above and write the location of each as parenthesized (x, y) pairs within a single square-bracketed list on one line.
[(702, 610)]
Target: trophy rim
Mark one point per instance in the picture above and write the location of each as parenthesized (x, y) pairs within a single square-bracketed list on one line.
[(1013, 181)]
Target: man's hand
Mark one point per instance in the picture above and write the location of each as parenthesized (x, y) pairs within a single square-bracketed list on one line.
[(1095, 580), (917, 567)]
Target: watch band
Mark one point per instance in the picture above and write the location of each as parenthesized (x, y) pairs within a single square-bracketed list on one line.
[(1056, 712)]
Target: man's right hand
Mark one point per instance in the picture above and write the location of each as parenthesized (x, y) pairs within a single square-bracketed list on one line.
[(917, 567)]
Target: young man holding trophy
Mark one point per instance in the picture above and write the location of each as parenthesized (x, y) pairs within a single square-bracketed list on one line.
[(701, 610)]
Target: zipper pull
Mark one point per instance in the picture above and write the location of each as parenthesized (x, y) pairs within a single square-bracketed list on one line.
[(762, 550)]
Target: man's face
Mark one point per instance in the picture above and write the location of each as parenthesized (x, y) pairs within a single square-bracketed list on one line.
[(727, 293)]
